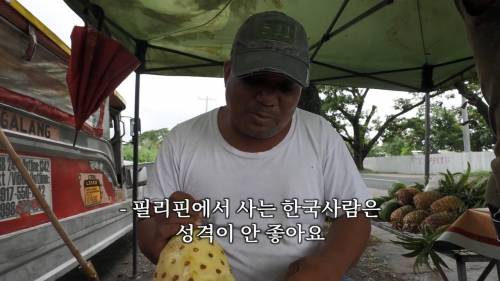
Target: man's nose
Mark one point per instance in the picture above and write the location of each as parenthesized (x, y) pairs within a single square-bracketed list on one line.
[(267, 96)]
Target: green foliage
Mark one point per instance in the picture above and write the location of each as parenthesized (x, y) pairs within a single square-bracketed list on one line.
[(407, 135), (149, 143), (376, 151), (397, 146), (395, 187), (448, 185), (481, 137), (344, 109), (419, 186), (478, 174), (470, 189), (474, 195), (420, 248)]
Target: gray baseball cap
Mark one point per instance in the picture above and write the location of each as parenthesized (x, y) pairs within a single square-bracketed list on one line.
[(271, 41)]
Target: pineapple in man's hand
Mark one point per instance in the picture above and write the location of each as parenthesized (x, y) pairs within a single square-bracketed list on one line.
[(199, 260)]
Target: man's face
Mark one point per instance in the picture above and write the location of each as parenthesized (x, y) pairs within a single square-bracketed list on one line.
[(261, 105)]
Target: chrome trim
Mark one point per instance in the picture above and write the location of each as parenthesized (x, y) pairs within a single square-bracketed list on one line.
[(43, 144), (67, 128)]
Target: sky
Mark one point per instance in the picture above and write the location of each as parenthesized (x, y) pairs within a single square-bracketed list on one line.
[(167, 101)]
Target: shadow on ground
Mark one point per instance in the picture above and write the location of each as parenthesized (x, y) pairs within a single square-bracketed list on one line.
[(115, 264)]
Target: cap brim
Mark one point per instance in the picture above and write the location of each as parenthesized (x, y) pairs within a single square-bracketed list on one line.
[(245, 64)]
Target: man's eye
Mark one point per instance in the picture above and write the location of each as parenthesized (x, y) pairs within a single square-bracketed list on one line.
[(257, 81), (252, 81), (287, 87)]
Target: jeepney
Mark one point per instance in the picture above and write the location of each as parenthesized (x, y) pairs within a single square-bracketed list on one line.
[(82, 183)]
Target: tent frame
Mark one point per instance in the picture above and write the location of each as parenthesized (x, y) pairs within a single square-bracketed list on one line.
[(94, 13)]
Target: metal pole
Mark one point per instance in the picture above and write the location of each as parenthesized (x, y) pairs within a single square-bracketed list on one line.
[(465, 128), (135, 140), (427, 85), (427, 135), (206, 99), (140, 53)]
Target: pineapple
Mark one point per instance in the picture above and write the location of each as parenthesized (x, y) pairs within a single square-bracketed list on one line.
[(434, 221), (199, 260), (398, 215), (423, 200), (413, 219), (405, 195), (448, 203)]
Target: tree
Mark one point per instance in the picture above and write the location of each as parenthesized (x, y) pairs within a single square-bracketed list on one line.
[(482, 135), (446, 132), (149, 144), (471, 90), (343, 107), (403, 136)]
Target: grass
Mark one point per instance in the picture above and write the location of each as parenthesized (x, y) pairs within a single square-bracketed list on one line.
[(480, 174)]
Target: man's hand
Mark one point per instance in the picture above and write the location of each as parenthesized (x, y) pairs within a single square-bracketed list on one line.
[(310, 268), (346, 241), (154, 232)]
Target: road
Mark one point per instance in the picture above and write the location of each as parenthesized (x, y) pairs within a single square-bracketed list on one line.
[(378, 184)]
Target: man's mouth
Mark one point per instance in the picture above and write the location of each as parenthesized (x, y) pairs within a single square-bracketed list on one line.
[(261, 115)]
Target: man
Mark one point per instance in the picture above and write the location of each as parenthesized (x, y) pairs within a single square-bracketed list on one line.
[(261, 147), (482, 22)]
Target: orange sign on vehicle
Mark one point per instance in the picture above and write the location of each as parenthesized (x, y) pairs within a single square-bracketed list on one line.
[(92, 192), (92, 189)]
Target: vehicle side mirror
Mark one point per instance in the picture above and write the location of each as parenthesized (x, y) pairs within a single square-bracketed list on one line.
[(122, 129)]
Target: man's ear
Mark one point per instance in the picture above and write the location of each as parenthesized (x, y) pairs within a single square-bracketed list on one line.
[(227, 71)]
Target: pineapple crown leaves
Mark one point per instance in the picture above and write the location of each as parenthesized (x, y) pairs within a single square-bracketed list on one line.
[(474, 195), (420, 248), (480, 183), (448, 185), (419, 186), (465, 177)]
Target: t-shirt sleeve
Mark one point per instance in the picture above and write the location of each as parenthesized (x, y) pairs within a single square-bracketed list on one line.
[(342, 178), (164, 177)]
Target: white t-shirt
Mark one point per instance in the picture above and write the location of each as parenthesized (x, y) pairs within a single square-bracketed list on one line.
[(311, 163)]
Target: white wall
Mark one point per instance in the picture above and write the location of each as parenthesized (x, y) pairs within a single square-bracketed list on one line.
[(453, 161)]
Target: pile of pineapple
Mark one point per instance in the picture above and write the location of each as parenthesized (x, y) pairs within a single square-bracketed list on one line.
[(410, 209)]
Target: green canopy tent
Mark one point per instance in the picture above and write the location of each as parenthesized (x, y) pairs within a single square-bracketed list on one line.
[(407, 45), (375, 43)]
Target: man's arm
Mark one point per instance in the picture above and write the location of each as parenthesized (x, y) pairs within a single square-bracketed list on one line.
[(345, 243)]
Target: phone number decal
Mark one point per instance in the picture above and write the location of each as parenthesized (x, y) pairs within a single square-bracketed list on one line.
[(16, 198)]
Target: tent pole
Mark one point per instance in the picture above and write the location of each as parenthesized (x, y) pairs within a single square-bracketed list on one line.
[(135, 140), (427, 135), (140, 53), (427, 86)]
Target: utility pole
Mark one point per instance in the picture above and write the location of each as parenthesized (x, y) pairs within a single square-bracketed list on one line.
[(206, 99), (465, 128)]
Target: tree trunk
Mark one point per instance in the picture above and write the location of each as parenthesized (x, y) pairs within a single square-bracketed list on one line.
[(358, 158), (474, 100)]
